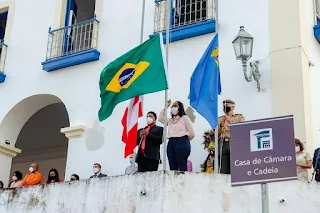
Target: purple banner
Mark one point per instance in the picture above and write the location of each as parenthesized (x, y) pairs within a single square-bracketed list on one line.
[(262, 151)]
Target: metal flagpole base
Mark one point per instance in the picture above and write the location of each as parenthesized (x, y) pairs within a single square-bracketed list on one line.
[(216, 150), (133, 166), (221, 142), (264, 198)]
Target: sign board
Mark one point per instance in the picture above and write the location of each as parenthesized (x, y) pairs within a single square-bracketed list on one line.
[(262, 151)]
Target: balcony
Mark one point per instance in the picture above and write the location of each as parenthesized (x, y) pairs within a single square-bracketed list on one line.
[(160, 192), (3, 54), (316, 28), (189, 18), (72, 45)]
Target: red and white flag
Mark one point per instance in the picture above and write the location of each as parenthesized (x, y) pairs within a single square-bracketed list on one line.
[(130, 124)]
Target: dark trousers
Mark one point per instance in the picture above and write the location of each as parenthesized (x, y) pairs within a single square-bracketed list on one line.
[(178, 151), (224, 154), (147, 165)]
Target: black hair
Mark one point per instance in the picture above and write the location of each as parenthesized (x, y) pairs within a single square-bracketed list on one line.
[(206, 161), (56, 178), (299, 143), (1, 185), (97, 165), (18, 174), (76, 176), (181, 111), (153, 113)]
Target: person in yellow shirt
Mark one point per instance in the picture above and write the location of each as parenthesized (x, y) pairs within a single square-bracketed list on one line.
[(208, 165), (34, 177)]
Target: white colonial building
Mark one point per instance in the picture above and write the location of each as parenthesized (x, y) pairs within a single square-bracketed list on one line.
[(52, 53)]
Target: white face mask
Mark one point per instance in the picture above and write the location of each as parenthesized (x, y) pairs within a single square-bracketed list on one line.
[(14, 178), (95, 170), (30, 169), (149, 120), (297, 149), (174, 110)]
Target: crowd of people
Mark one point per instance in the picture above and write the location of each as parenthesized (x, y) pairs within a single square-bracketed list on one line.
[(34, 177), (180, 133)]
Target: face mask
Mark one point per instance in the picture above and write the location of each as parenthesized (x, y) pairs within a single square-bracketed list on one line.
[(52, 177), (131, 160), (226, 109), (30, 169), (149, 120), (72, 179), (174, 110), (95, 170), (14, 178), (211, 153), (297, 149)]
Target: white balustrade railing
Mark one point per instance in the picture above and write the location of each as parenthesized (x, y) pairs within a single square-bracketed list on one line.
[(72, 39), (183, 12)]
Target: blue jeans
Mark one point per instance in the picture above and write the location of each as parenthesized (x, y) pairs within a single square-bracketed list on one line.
[(178, 151)]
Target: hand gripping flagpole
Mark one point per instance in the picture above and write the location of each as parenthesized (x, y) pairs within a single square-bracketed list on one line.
[(216, 132), (168, 26)]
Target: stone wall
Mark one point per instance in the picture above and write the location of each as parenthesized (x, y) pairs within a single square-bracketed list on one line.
[(167, 192)]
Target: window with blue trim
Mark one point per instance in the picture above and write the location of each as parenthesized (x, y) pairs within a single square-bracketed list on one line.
[(3, 46), (316, 28), (317, 9), (75, 43), (189, 18)]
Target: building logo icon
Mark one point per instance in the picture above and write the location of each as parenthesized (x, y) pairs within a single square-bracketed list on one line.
[(261, 140)]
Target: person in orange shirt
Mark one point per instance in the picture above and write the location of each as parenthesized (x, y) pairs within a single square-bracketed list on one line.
[(34, 177)]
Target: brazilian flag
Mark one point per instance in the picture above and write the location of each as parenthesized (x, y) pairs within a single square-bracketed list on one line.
[(137, 72)]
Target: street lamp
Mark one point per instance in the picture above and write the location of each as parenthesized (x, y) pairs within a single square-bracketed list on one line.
[(242, 45)]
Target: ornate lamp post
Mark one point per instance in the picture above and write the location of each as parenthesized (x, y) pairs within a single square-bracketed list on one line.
[(243, 45)]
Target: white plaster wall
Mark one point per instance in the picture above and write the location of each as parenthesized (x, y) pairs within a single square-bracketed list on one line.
[(165, 192), (313, 54), (5, 168), (119, 28)]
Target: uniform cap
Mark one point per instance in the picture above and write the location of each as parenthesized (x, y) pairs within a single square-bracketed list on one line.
[(228, 101)]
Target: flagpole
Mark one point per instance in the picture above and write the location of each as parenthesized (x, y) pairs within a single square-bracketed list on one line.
[(142, 20), (141, 41), (168, 26), (216, 138)]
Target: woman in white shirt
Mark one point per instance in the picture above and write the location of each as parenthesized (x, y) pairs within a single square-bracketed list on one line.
[(180, 133), (304, 161)]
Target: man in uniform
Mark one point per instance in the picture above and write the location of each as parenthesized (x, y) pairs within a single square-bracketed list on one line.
[(224, 134)]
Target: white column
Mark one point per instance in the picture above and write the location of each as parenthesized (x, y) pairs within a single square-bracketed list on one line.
[(290, 66), (7, 152), (72, 133)]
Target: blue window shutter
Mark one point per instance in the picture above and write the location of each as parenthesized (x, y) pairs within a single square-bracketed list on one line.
[(74, 7), (71, 5), (1, 33)]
